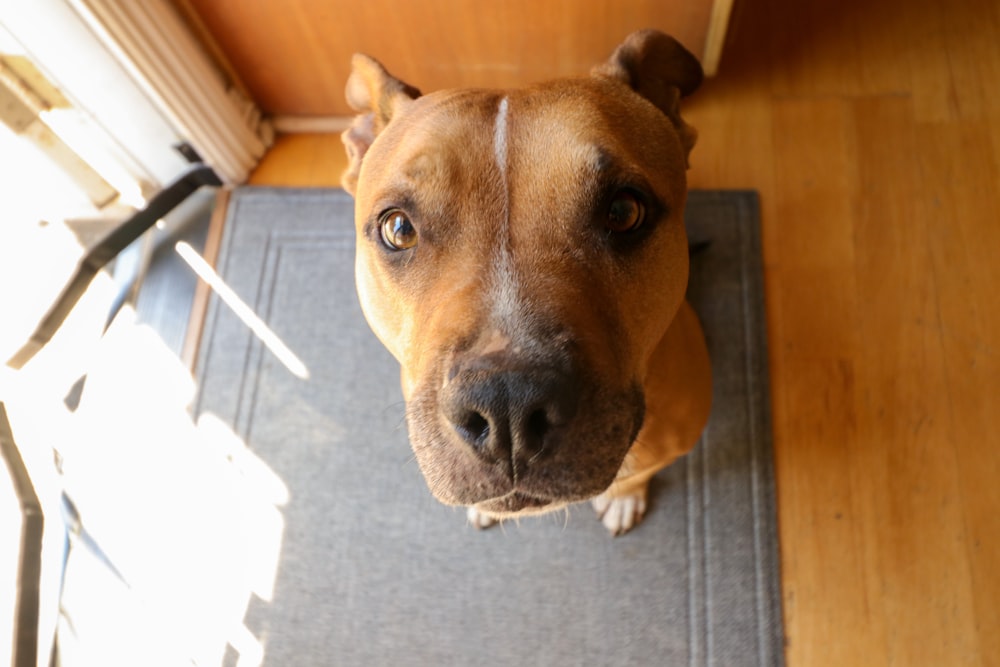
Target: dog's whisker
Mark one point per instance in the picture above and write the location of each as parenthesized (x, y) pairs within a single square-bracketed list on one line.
[(393, 406), (538, 455)]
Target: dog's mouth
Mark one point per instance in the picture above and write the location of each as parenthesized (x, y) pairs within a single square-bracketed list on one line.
[(517, 502)]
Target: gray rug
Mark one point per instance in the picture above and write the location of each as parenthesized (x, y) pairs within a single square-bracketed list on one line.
[(373, 571)]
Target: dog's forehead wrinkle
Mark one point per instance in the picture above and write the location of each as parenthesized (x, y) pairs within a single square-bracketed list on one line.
[(441, 139)]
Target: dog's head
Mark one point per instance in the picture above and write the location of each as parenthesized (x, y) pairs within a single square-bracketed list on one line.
[(521, 253)]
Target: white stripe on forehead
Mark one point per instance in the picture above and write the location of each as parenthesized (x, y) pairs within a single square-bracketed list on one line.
[(504, 287), (500, 138)]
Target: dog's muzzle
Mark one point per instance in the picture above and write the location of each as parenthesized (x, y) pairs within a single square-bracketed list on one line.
[(515, 435)]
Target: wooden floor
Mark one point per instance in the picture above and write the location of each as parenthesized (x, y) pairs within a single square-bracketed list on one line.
[(872, 132)]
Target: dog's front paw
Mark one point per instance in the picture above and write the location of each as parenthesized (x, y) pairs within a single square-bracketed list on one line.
[(479, 519), (620, 514)]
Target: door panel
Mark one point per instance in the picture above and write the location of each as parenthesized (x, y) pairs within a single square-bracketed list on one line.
[(294, 56)]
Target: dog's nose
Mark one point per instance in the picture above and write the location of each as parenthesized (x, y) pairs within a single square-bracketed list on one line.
[(509, 414)]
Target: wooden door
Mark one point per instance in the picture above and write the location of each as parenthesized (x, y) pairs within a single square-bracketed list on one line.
[(294, 56)]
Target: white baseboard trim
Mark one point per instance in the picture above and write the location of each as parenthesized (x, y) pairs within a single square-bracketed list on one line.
[(310, 124)]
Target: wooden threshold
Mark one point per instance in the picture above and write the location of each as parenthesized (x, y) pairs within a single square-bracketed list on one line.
[(199, 306)]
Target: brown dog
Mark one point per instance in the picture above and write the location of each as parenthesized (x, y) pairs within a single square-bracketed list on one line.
[(522, 254)]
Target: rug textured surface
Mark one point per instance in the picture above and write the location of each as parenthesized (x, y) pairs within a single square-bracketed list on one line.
[(374, 571)]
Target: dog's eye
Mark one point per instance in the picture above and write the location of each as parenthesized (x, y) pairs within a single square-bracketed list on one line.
[(397, 230), (626, 212)]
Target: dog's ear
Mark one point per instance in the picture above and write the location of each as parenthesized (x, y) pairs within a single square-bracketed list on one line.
[(660, 69), (376, 95)]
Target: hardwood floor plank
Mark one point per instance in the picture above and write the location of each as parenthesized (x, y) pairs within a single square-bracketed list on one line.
[(813, 48), (814, 166), (973, 56), (905, 431), (202, 292), (960, 174), (884, 32), (829, 576), (302, 160)]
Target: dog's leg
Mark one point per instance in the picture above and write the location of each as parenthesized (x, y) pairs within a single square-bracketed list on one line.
[(678, 399), (622, 506), (620, 514)]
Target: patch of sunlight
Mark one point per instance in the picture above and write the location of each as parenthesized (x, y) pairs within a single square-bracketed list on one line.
[(33, 187), (243, 311), (34, 270), (39, 252), (72, 127), (182, 523)]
